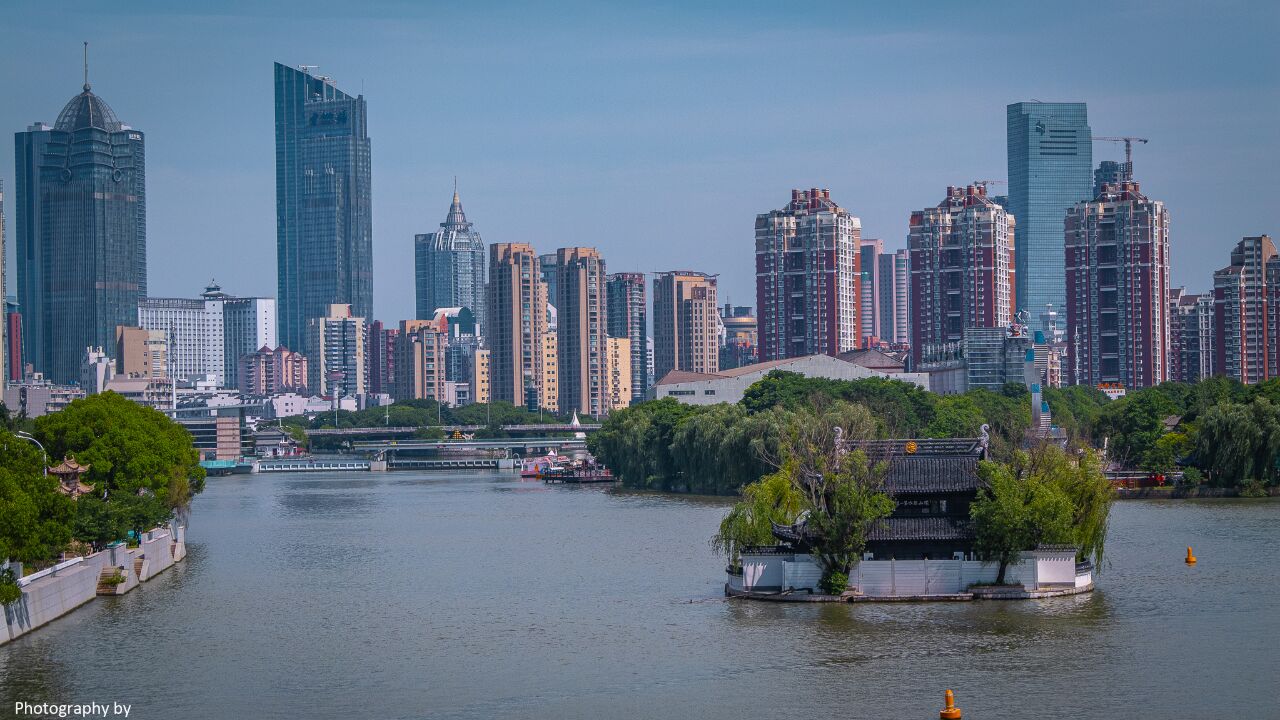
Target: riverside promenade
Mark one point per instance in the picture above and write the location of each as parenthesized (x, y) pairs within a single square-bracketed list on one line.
[(55, 591)]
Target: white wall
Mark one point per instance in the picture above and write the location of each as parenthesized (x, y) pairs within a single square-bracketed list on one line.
[(731, 388)]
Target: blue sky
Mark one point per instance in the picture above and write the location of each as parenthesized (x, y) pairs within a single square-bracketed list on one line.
[(654, 131)]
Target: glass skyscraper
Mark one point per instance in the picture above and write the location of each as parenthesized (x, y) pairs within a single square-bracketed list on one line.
[(449, 267), (82, 233), (324, 231), (1050, 170)]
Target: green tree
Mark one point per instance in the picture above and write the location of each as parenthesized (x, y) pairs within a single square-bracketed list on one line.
[(35, 519), (1163, 457), (1015, 512), (771, 499), (137, 457), (1238, 442), (956, 416)]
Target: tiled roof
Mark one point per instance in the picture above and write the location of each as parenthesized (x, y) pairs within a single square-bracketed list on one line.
[(873, 358), (922, 528), (924, 474)]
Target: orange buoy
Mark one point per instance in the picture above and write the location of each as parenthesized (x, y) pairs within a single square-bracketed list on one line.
[(950, 712), (1191, 559)]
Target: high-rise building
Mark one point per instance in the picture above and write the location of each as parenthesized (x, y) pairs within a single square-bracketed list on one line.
[(141, 353), (961, 268), (686, 326), (207, 335), (869, 254), (1109, 172), (619, 375), (807, 285), (1050, 170), (420, 359), (481, 377), (1246, 312), (380, 352), (1191, 336), (82, 232), (4, 332), (449, 266), (893, 287), (267, 372), (549, 386), (740, 346), (324, 230), (336, 353), (517, 321), (547, 261), (628, 318), (582, 321), (13, 332), (1117, 275)]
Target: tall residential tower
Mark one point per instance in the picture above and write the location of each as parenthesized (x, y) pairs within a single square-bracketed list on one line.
[(807, 285), (961, 268), (686, 327), (628, 318)]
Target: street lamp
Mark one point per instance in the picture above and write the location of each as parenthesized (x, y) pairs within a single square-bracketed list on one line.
[(44, 468)]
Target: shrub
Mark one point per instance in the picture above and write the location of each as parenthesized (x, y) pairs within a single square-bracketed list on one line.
[(834, 583), (9, 590)]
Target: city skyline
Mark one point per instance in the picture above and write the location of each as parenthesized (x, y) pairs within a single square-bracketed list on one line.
[(584, 149)]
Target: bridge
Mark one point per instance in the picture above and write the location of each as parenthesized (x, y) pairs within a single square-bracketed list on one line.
[(450, 429), (502, 444), (331, 465)]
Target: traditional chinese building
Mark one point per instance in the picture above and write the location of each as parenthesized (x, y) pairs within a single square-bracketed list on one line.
[(69, 474)]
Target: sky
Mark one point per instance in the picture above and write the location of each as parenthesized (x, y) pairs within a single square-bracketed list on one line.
[(655, 131)]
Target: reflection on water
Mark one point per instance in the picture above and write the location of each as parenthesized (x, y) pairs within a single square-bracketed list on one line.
[(473, 595)]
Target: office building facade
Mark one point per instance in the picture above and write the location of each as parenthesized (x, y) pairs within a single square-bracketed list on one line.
[(807, 278), (740, 345), (81, 232), (207, 335), (1050, 156), (893, 283), (324, 230), (449, 267)]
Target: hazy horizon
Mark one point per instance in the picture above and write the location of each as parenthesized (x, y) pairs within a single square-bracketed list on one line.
[(657, 133)]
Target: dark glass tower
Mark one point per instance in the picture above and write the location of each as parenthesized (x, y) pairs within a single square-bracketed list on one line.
[(449, 267), (324, 230), (1050, 170), (82, 233)]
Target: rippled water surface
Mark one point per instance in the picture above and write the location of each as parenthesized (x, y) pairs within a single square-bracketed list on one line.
[(411, 595)]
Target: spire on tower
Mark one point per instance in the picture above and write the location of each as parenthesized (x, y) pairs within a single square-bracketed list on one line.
[(86, 66)]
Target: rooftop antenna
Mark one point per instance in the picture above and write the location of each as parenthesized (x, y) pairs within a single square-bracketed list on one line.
[(86, 66)]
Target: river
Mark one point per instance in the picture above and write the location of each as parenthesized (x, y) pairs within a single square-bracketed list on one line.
[(408, 595)]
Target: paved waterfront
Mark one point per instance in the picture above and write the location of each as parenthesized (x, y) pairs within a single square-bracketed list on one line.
[(407, 595)]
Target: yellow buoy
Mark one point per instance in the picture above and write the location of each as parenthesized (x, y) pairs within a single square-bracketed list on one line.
[(1191, 559), (950, 712)]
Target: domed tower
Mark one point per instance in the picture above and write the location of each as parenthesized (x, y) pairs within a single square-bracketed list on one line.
[(82, 235), (450, 266)]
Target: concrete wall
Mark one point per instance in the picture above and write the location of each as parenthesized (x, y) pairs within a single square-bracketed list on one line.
[(52, 593), (730, 388), (889, 578), (50, 597)]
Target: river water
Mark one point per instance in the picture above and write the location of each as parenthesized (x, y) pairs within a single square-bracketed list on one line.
[(475, 596)]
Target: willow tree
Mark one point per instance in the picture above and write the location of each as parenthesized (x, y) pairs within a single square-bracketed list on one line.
[(838, 490)]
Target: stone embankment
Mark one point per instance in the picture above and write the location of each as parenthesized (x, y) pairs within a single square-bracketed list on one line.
[(51, 593)]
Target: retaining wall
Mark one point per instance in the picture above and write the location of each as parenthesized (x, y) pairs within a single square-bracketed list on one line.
[(52, 593)]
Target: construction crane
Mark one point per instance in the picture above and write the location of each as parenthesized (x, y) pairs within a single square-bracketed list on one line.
[(984, 183), (1128, 152)]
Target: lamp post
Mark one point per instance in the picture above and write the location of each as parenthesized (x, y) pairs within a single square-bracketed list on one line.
[(44, 467)]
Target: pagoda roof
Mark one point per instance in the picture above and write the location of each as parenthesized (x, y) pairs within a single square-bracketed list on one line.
[(69, 466), (922, 528)]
